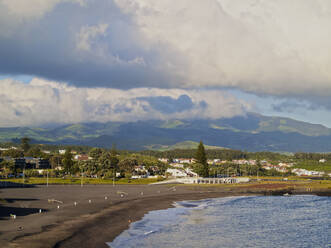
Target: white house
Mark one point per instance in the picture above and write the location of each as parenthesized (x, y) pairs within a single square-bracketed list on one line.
[(190, 172), (184, 160), (303, 172), (138, 176), (177, 165), (176, 173), (164, 160)]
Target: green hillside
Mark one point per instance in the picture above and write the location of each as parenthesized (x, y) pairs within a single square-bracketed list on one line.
[(253, 132), (180, 145), (287, 125), (172, 124)]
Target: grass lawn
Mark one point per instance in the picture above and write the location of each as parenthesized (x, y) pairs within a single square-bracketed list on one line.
[(39, 180), (314, 165)]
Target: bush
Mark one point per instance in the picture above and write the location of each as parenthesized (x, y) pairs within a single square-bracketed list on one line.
[(159, 179), (31, 173)]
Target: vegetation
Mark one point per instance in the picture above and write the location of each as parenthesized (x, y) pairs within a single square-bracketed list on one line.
[(231, 169), (78, 180), (109, 164), (25, 144), (13, 153), (185, 145), (201, 167), (68, 163), (314, 165), (253, 132), (104, 163), (222, 154)]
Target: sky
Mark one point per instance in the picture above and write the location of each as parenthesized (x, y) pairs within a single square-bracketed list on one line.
[(69, 61)]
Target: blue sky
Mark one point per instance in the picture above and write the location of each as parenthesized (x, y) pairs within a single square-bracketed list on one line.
[(22, 78), (128, 60), (266, 106)]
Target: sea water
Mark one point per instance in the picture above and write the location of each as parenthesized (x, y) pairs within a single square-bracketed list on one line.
[(254, 221)]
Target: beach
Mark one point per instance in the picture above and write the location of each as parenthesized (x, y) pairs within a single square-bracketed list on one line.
[(90, 216)]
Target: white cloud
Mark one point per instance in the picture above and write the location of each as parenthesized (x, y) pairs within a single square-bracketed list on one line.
[(87, 34), (25, 9), (42, 102), (268, 47), (274, 47), (18, 16)]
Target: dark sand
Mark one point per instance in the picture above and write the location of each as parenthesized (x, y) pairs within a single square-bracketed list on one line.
[(88, 224)]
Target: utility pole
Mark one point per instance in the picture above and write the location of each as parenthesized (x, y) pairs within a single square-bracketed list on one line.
[(114, 178), (23, 176)]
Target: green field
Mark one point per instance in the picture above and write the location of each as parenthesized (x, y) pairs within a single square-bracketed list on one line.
[(314, 166), (38, 180), (180, 145)]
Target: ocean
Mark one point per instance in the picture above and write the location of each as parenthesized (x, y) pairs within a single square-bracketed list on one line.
[(248, 221)]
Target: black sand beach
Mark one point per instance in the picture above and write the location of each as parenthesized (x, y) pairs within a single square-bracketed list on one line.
[(101, 212)]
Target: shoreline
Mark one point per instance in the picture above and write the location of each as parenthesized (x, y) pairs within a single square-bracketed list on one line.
[(106, 222), (134, 213), (76, 239)]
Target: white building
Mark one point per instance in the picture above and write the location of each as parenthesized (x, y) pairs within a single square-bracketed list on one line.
[(62, 152), (164, 160), (184, 160), (176, 173), (190, 172), (177, 165), (304, 172)]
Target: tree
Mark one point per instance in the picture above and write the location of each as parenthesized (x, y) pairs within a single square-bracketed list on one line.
[(25, 144), (127, 164), (67, 162), (96, 153), (7, 167), (13, 153), (199, 169), (105, 161), (34, 152), (56, 161), (12, 166), (113, 150), (89, 167), (201, 158), (108, 163), (200, 155)]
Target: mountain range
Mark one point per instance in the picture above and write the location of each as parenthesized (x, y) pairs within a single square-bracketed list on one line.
[(252, 132)]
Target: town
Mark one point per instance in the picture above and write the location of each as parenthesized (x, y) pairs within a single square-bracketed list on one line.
[(27, 160)]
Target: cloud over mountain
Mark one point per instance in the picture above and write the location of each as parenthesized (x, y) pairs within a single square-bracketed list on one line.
[(41, 102), (145, 59)]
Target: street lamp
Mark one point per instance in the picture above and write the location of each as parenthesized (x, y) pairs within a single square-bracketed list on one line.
[(47, 178), (114, 177), (23, 176)]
